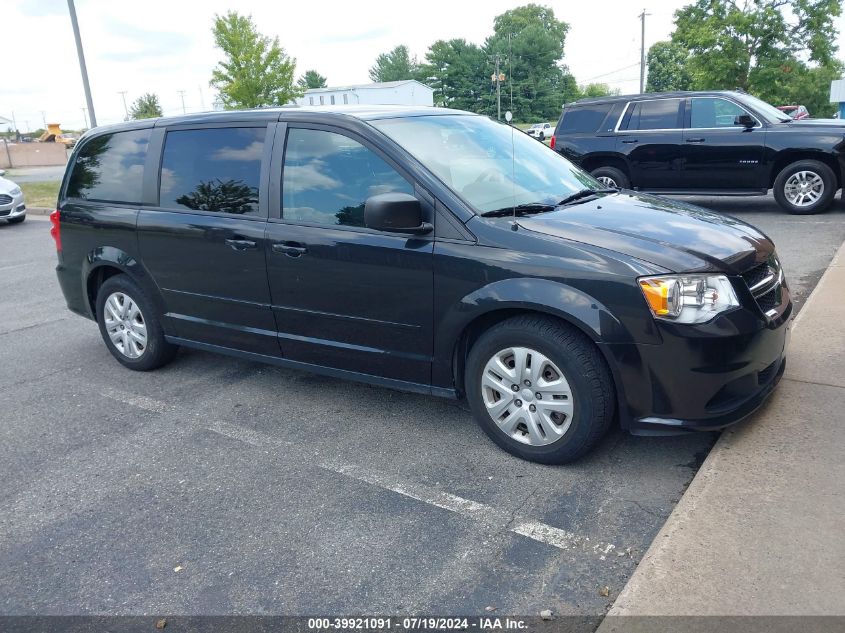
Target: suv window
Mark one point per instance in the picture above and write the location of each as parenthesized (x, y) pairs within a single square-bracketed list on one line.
[(713, 112), (583, 119), (110, 168), (657, 114), (328, 178), (212, 169)]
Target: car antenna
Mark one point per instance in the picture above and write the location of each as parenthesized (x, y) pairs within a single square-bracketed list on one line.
[(509, 118)]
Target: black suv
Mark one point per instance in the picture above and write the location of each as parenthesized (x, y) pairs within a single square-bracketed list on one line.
[(422, 249), (710, 143)]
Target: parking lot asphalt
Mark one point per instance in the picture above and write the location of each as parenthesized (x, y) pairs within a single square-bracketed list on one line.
[(218, 486)]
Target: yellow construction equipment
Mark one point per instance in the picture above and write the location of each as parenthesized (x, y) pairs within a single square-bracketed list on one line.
[(54, 134)]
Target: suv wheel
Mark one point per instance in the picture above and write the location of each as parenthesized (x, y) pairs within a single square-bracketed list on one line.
[(542, 136), (805, 187), (539, 389), (130, 327), (611, 177)]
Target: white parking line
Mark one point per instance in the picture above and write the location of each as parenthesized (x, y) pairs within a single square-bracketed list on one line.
[(487, 515)]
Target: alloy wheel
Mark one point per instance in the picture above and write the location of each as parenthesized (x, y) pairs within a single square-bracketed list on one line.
[(125, 325), (607, 181), (803, 188), (527, 396)]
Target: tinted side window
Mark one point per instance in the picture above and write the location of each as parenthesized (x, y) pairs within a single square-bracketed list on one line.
[(708, 113), (111, 168), (659, 114), (212, 169), (328, 178), (583, 119)]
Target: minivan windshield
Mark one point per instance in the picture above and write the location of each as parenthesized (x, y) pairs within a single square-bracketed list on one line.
[(476, 158)]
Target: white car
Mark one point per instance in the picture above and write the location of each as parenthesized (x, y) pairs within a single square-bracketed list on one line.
[(541, 131), (12, 207)]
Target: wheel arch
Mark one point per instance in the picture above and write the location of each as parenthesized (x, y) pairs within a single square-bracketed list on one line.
[(105, 262), (787, 157), (594, 161)]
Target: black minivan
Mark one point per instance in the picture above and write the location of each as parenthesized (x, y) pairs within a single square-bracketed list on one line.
[(424, 249)]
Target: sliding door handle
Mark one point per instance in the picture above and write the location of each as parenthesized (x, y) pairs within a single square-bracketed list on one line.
[(629, 141), (695, 140), (240, 244)]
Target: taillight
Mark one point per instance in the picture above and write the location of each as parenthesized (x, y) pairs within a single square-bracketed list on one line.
[(56, 229), (552, 142)]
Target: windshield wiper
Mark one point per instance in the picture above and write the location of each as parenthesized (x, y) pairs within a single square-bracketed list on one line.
[(521, 209), (584, 193)]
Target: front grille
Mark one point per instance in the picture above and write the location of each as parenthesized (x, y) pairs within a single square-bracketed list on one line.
[(5, 199), (6, 212), (766, 283)]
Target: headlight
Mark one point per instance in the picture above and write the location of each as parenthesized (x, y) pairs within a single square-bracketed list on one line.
[(688, 298), (15, 191)]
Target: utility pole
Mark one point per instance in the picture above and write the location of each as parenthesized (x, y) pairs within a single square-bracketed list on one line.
[(85, 117), (81, 56), (499, 77), (122, 93), (642, 17), (44, 118), (182, 94)]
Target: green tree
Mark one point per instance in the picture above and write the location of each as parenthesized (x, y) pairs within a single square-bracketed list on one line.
[(596, 90), (311, 79), (395, 65), (667, 68), (528, 40), (256, 71), (145, 107), (728, 40), (457, 71)]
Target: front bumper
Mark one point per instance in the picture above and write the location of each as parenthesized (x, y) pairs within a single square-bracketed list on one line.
[(14, 209), (700, 378)]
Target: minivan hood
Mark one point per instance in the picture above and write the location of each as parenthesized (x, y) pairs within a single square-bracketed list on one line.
[(674, 235)]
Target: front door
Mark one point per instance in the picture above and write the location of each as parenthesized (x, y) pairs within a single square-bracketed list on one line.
[(718, 153), (204, 242), (345, 296), (649, 136)]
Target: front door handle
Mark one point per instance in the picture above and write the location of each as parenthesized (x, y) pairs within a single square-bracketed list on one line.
[(695, 140), (628, 141), (241, 244), (291, 249)]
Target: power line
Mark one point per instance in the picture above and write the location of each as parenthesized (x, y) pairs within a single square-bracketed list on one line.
[(612, 72)]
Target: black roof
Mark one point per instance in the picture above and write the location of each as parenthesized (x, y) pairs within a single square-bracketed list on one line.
[(656, 95), (361, 112)]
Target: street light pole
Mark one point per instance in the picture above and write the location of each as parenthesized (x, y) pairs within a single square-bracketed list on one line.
[(122, 93), (82, 68)]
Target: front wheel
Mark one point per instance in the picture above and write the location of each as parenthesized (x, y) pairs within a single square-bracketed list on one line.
[(539, 389), (805, 187), (130, 326)]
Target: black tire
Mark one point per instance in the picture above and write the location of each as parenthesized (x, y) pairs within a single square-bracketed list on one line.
[(17, 220), (580, 362), (616, 175), (815, 167), (542, 137), (158, 351)]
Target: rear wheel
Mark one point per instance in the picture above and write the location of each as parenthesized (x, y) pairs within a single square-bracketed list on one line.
[(130, 326), (539, 389), (805, 187), (611, 177)]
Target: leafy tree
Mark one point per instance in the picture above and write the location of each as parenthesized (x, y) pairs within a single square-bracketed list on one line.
[(596, 90), (396, 65), (667, 68), (457, 70), (529, 42), (145, 107), (256, 71), (311, 79), (728, 40)]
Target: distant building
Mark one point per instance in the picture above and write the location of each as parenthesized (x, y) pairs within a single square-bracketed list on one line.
[(408, 92), (837, 95)]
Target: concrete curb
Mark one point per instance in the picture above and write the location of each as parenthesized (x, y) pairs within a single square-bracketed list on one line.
[(39, 210), (756, 531)]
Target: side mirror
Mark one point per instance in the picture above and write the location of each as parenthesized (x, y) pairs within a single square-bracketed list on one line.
[(745, 120), (396, 213)]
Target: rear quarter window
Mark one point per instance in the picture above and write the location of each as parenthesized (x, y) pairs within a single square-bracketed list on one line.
[(583, 119), (110, 168)]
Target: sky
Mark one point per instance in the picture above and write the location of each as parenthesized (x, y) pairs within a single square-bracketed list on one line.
[(166, 46)]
